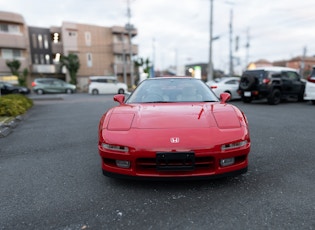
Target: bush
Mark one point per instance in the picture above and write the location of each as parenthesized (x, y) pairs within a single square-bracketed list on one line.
[(14, 105)]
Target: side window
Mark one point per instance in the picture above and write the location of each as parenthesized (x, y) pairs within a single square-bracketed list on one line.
[(293, 76), (102, 80), (232, 82)]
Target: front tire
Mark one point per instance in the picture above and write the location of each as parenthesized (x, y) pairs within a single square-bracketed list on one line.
[(94, 92), (69, 91), (121, 91), (40, 91), (275, 97)]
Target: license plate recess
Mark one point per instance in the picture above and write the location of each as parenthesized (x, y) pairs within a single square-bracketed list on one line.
[(175, 161)]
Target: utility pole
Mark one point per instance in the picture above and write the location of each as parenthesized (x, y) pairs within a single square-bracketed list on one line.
[(247, 48), (124, 58), (303, 62), (129, 28), (231, 69), (153, 52), (210, 66)]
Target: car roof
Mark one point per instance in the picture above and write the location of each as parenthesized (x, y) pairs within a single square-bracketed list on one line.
[(273, 68), (171, 77), (47, 78), (103, 77)]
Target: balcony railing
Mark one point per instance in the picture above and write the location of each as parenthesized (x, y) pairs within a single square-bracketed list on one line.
[(13, 40), (120, 48)]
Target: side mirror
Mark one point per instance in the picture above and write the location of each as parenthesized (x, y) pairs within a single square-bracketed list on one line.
[(224, 97), (120, 98)]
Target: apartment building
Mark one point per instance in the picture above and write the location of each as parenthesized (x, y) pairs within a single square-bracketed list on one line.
[(101, 50), (45, 51), (14, 43)]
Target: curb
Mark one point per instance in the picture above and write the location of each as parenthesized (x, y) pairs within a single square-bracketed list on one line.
[(7, 126)]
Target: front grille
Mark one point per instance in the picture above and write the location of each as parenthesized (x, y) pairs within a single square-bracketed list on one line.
[(150, 164)]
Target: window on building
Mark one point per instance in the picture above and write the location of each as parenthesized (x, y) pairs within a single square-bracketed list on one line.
[(40, 41), (47, 59), (119, 38), (119, 58), (4, 28), (72, 33), (88, 38), (56, 37), (36, 60), (11, 53), (57, 58), (9, 28), (42, 59), (46, 44), (89, 59), (34, 41), (15, 29)]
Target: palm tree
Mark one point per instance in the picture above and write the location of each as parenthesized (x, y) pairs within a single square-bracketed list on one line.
[(14, 67), (72, 63)]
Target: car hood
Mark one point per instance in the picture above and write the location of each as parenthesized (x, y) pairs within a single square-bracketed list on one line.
[(170, 116)]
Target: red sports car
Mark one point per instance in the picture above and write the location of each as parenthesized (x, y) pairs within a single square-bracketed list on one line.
[(173, 128)]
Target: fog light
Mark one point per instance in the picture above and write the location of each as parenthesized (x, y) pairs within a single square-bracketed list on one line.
[(227, 161), (123, 164)]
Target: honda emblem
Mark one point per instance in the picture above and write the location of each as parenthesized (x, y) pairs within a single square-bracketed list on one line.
[(174, 140)]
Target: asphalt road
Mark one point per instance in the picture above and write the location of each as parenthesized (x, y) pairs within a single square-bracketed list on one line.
[(50, 176)]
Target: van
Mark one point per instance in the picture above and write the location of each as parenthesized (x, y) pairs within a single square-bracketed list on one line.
[(310, 87), (106, 85)]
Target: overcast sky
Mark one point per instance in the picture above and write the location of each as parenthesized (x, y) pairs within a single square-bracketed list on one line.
[(275, 30)]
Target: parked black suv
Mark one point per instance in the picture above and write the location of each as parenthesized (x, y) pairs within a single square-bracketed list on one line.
[(271, 83)]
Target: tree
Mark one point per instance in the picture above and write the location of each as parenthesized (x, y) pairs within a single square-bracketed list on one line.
[(145, 64), (14, 67), (72, 63)]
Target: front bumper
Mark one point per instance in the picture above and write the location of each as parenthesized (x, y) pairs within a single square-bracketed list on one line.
[(184, 178), (145, 165)]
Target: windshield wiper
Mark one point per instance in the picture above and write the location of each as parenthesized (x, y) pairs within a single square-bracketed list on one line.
[(157, 101)]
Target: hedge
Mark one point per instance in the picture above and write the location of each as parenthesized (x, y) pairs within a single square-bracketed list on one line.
[(14, 104)]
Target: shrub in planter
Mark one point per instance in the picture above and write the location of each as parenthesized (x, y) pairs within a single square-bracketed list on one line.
[(14, 104)]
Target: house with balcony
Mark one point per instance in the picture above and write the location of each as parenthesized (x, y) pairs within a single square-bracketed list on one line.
[(14, 43)]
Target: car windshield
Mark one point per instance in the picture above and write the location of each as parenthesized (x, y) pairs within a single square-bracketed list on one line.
[(167, 90)]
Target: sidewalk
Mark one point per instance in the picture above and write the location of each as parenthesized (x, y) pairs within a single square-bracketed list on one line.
[(8, 124)]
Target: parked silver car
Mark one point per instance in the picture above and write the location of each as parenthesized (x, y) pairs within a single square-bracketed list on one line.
[(52, 85)]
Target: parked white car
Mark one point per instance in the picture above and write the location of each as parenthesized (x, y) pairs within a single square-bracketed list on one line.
[(309, 93), (106, 85), (225, 85)]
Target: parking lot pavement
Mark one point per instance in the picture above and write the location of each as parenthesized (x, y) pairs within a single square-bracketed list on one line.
[(7, 125)]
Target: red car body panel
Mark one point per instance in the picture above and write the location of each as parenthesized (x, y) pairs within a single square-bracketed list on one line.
[(151, 128)]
